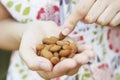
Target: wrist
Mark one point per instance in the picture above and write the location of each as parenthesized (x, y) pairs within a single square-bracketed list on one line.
[(11, 34)]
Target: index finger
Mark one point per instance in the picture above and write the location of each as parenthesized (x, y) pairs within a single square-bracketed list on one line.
[(78, 13)]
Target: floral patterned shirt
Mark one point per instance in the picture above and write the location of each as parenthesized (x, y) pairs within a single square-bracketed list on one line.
[(105, 41)]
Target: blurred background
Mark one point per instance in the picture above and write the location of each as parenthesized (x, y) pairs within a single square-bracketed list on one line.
[(4, 63)]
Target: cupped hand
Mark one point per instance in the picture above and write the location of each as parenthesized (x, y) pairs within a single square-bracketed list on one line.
[(33, 36), (103, 12)]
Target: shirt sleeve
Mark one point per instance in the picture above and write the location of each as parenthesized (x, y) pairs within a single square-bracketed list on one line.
[(28, 10), (23, 10)]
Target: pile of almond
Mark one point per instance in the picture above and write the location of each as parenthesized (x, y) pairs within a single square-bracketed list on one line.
[(56, 50)]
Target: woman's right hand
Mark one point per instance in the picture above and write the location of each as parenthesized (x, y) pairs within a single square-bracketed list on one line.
[(103, 12)]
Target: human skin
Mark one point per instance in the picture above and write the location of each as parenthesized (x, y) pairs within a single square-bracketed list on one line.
[(4, 14), (103, 12), (25, 38)]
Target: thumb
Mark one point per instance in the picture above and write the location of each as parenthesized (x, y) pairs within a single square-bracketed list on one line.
[(28, 54), (33, 61), (63, 67)]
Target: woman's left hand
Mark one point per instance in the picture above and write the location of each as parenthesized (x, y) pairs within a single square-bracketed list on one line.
[(33, 36)]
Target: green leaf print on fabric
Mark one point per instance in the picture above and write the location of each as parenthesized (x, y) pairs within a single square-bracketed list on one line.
[(94, 32), (104, 51), (24, 76), (26, 11), (101, 38), (9, 4), (92, 40), (86, 69), (117, 77), (18, 7), (78, 75), (73, 1), (86, 76), (28, 0), (21, 71), (26, 20), (16, 65)]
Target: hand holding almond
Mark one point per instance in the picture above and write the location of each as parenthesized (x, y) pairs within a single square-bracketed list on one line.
[(42, 64)]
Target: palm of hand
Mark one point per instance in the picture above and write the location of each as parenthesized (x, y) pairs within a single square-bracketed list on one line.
[(43, 66)]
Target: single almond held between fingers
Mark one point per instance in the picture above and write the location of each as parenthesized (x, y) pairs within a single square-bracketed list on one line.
[(61, 36)]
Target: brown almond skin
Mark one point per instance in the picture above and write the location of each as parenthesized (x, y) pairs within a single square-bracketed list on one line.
[(40, 46), (60, 43), (56, 54), (47, 54), (55, 60), (55, 48), (71, 55), (51, 40), (39, 53), (47, 47), (73, 47), (66, 47), (46, 41), (66, 43), (64, 53), (61, 36), (54, 39)]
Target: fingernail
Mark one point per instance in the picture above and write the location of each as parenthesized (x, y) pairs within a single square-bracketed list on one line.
[(66, 31), (45, 67)]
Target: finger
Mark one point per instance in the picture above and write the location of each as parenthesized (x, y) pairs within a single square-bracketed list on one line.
[(45, 75), (73, 71), (83, 47), (63, 67), (116, 20), (77, 14), (34, 62), (95, 11), (52, 30), (28, 54), (84, 57), (108, 14)]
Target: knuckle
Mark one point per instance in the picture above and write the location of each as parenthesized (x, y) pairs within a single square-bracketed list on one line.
[(89, 20), (80, 11), (31, 66), (101, 22), (112, 24)]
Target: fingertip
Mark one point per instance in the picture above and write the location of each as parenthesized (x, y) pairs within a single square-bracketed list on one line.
[(73, 71), (39, 63), (66, 31), (89, 19), (45, 67), (81, 59), (65, 65)]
